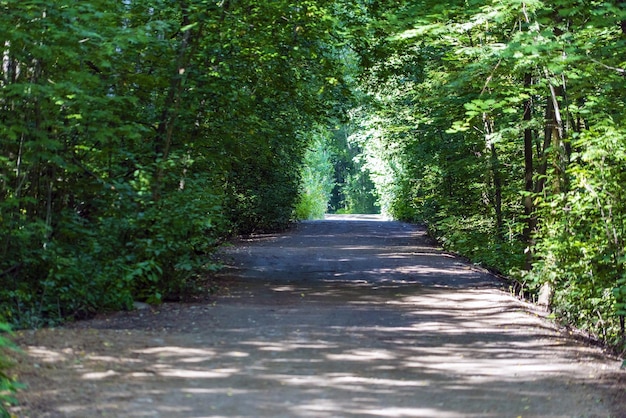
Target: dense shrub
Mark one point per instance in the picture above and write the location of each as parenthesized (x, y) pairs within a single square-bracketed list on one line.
[(8, 385), (136, 142)]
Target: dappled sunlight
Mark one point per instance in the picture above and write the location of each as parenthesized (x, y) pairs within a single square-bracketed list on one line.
[(395, 249), (284, 288), (350, 264), (99, 375), (362, 355), (416, 252), (177, 352), (412, 353), (284, 346), (417, 270), (379, 327), (347, 382), (414, 412), (356, 248), (214, 391), (110, 359), (466, 367), (417, 412), (45, 355), (197, 374), (236, 354)]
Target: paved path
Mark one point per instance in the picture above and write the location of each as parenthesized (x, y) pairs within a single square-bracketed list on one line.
[(347, 317)]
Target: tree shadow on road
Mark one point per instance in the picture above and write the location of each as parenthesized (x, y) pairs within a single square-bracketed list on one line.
[(326, 321)]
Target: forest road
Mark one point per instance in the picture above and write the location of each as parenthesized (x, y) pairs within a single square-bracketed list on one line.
[(351, 316)]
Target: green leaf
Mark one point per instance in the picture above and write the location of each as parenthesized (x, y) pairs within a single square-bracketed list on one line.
[(188, 27)]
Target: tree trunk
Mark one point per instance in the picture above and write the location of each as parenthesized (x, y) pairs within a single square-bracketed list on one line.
[(555, 128), (165, 128), (554, 137), (551, 139), (496, 178), (529, 209)]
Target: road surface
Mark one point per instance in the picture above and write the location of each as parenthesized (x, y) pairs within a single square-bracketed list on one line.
[(347, 317)]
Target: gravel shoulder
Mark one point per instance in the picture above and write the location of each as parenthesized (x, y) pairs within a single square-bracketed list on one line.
[(347, 317)]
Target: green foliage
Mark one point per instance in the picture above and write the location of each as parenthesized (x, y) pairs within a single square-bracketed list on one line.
[(501, 126), (582, 236), (8, 385), (134, 139), (317, 180), (354, 190)]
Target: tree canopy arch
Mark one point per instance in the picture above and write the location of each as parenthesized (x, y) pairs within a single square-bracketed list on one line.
[(136, 136)]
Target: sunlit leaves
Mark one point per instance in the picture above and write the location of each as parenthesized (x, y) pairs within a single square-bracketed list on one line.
[(499, 97), (317, 178), (137, 135)]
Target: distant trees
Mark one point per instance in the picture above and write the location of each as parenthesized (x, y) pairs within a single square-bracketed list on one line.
[(317, 178)]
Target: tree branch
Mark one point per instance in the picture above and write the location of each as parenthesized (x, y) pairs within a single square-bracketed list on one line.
[(619, 70)]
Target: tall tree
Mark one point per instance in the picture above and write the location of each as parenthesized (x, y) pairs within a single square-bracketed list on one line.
[(137, 135), (482, 103)]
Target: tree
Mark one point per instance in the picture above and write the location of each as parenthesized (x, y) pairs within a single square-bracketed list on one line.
[(499, 120), (134, 143)]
